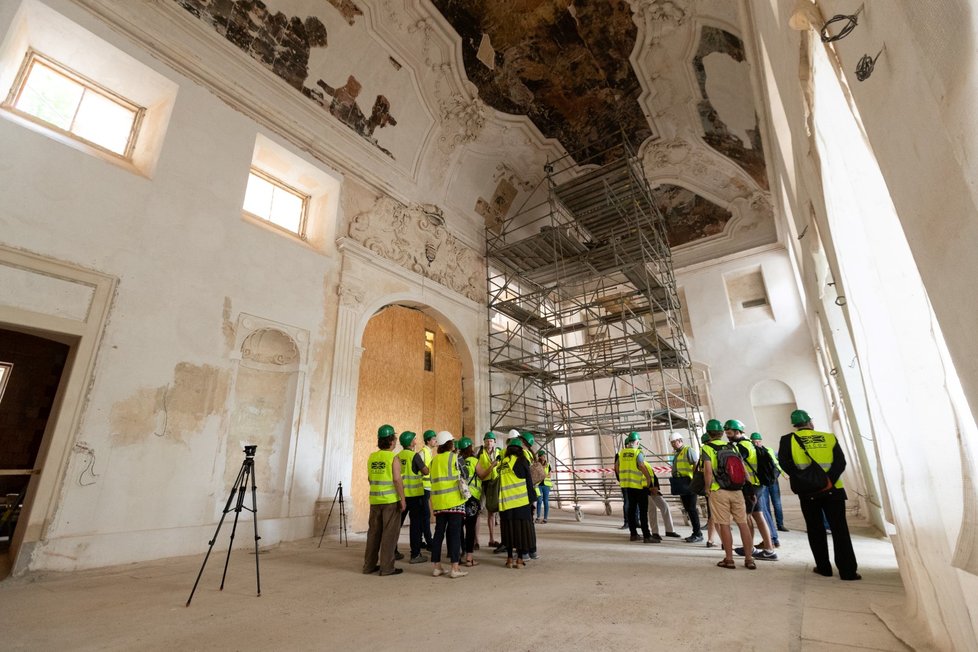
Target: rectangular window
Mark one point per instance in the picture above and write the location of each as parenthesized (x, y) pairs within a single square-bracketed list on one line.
[(55, 96), (429, 351), (270, 200), (5, 369)]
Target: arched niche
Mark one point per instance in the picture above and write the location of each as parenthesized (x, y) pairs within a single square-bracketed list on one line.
[(773, 402)]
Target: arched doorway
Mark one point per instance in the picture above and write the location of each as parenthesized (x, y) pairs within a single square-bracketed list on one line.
[(411, 378)]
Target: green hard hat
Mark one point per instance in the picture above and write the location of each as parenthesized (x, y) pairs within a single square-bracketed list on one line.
[(632, 436), (514, 441), (799, 418), (714, 425), (406, 438), (527, 437), (385, 431), (733, 424), (490, 435), (429, 435), (755, 436), (464, 443), (706, 437)]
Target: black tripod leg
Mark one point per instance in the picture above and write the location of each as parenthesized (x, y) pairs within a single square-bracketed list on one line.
[(330, 513), (343, 517), (245, 472), (254, 514), (210, 544)]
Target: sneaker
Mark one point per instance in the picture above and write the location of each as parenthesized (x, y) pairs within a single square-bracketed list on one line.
[(455, 574), (782, 528), (651, 540), (693, 538), (634, 537), (534, 555), (398, 555), (437, 572), (544, 521), (624, 526), (777, 544), (499, 548), (674, 535), (525, 557), (420, 559), (396, 571), (657, 538), (766, 555), (740, 552)]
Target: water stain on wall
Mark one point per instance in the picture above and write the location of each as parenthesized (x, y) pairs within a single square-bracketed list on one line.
[(176, 411)]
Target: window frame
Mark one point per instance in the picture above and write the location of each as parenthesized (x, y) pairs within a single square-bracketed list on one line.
[(8, 368), (275, 181), (32, 56)]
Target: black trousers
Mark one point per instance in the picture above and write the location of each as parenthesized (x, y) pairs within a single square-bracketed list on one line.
[(415, 510), (468, 533), (426, 517), (638, 500), (692, 511), (834, 508), (447, 526)]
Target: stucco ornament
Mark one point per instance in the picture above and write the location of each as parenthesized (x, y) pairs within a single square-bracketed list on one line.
[(415, 238), (351, 296), (270, 346), (462, 120)]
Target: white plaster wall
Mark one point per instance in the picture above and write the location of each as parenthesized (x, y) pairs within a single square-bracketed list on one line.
[(739, 357)]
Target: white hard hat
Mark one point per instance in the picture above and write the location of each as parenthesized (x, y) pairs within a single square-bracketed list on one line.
[(514, 433), (444, 437), (674, 436)]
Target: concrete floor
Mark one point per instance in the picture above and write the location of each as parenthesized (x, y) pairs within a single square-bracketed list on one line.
[(591, 589)]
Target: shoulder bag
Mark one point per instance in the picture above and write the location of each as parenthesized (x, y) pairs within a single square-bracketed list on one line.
[(812, 479)]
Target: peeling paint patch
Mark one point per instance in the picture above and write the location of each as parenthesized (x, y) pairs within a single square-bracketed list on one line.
[(176, 411), (349, 10), (227, 326), (689, 216)]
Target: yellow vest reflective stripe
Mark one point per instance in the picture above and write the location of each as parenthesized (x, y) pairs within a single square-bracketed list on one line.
[(512, 489), (819, 446), (750, 462), (475, 483), (444, 482), (486, 461), (681, 468), (547, 482), (380, 475), (629, 476), (426, 457), (412, 480)]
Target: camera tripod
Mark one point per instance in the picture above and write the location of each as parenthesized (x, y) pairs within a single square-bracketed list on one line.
[(337, 496), (239, 487)]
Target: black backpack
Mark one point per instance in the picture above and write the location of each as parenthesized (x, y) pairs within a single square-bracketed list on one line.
[(767, 469)]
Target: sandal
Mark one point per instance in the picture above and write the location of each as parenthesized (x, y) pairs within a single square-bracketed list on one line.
[(509, 563), (469, 563), (727, 563), (749, 563)]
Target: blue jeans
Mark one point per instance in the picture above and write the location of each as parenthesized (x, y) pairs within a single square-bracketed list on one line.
[(543, 499), (763, 494), (775, 491)]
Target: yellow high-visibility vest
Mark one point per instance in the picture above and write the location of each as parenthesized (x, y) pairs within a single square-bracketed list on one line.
[(547, 482), (412, 481), (444, 482), (681, 468), (629, 475), (512, 489), (486, 461), (426, 457), (750, 462), (819, 445), (475, 482), (380, 475)]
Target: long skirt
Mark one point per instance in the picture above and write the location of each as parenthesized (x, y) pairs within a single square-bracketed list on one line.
[(517, 530)]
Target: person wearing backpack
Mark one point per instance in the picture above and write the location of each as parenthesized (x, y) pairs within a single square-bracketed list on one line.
[(724, 476), (798, 451), (735, 435)]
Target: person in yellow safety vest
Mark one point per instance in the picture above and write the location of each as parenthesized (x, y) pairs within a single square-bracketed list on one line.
[(473, 505), (658, 505), (515, 513), (735, 435), (796, 452), (726, 505), (634, 477), (528, 441), (543, 490), (426, 457), (386, 504), (448, 503), (684, 460), (489, 461), (412, 469)]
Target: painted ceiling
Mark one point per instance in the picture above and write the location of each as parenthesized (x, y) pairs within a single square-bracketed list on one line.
[(582, 71)]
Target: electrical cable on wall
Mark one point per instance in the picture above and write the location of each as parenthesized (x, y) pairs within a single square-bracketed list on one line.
[(82, 447), (166, 415), (867, 64), (850, 24)]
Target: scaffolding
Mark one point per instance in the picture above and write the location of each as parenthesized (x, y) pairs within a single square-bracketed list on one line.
[(585, 333)]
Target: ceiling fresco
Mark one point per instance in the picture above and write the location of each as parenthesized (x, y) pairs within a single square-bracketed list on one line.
[(689, 217), (562, 63)]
